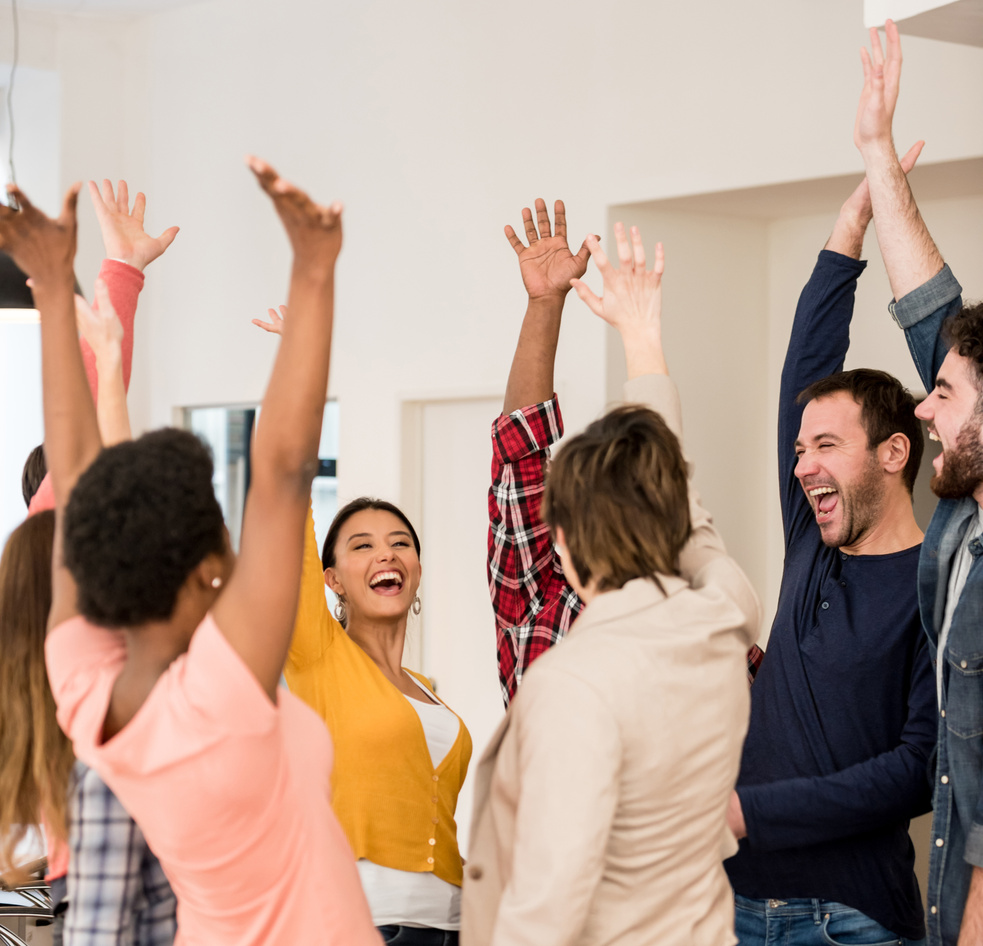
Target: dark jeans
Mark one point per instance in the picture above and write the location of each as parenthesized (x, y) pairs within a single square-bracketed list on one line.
[(417, 936), (808, 923)]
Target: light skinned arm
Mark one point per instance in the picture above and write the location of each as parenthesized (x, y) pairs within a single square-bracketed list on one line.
[(547, 266), (909, 252), (45, 250), (632, 304), (856, 213), (101, 328), (256, 611), (632, 300)]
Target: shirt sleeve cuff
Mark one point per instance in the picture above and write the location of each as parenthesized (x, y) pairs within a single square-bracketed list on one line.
[(973, 852), (527, 431), (927, 299)]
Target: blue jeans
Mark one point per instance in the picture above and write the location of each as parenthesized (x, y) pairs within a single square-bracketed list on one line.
[(809, 923), (417, 936)]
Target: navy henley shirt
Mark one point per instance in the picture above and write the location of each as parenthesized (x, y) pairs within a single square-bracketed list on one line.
[(843, 708)]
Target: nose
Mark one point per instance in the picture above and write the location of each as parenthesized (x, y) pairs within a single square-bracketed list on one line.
[(924, 410), (806, 465)]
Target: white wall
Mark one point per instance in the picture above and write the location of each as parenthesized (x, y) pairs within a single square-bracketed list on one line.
[(435, 122)]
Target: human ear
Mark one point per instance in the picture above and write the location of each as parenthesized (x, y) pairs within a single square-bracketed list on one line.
[(893, 453), (332, 581)]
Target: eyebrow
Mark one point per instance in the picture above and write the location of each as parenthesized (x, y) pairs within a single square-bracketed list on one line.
[(825, 436), (941, 382), (368, 535)]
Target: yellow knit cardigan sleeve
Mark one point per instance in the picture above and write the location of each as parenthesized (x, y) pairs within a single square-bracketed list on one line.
[(315, 626)]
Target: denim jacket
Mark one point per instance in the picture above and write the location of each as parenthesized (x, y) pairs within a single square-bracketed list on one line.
[(957, 827)]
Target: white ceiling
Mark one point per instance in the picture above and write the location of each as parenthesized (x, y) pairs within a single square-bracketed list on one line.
[(135, 7)]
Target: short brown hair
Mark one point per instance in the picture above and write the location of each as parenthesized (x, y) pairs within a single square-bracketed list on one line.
[(886, 408), (619, 492)]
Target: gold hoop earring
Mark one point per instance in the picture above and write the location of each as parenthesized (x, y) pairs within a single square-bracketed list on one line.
[(341, 612)]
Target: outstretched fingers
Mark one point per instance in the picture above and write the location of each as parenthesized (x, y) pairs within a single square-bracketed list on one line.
[(542, 219), (531, 235), (516, 243), (560, 219), (637, 249), (624, 249), (659, 265), (264, 172), (69, 205)]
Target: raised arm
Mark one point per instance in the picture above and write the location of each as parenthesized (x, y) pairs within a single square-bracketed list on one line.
[(910, 254), (45, 250), (632, 304), (820, 336), (547, 266), (101, 329), (256, 611), (129, 251), (314, 627), (533, 604)]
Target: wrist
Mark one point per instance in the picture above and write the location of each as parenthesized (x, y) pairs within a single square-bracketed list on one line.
[(643, 352), (553, 297), (51, 286), (107, 359), (878, 149)]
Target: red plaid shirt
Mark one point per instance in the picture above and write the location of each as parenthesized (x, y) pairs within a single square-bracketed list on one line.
[(534, 604)]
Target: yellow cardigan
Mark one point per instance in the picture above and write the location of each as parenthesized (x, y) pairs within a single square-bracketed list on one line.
[(395, 807)]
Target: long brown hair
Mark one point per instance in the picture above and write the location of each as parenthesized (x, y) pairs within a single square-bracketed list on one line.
[(35, 757)]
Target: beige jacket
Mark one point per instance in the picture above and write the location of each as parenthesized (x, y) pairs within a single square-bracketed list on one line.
[(600, 801)]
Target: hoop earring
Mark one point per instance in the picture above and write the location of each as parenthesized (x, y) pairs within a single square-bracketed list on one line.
[(417, 605), (341, 612)]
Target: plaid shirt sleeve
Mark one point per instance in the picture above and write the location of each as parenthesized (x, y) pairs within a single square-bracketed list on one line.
[(533, 603), (117, 892)]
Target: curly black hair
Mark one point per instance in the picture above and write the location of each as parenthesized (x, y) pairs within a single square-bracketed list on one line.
[(964, 333), (140, 518)]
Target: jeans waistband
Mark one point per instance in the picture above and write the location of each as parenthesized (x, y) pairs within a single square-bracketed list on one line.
[(791, 906)]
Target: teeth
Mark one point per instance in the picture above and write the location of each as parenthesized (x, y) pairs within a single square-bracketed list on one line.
[(932, 435), (385, 576), (821, 490)]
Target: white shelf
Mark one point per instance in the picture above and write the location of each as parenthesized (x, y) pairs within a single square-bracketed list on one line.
[(960, 21)]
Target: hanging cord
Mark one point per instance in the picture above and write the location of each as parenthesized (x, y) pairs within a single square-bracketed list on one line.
[(10, 94)]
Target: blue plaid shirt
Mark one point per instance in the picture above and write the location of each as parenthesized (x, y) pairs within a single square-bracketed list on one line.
[(117, 892)]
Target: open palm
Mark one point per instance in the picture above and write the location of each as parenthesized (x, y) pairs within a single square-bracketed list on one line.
[(546, 264)]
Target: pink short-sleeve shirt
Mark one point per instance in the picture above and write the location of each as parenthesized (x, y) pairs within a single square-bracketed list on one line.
[(232, 792)]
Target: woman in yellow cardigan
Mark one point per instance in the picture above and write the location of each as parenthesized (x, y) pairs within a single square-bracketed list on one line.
[(400, 754)]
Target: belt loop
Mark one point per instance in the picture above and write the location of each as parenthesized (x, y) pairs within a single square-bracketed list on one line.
[(817, 912)]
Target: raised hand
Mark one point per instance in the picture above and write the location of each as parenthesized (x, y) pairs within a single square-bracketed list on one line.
[(43, 248), (100, 326), (546, 264), (314, 231), (632, 300), (122, 226), (275, 325), (882, 80)]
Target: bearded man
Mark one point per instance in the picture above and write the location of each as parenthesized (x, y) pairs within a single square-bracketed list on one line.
[(946, 343), (843, 707)]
